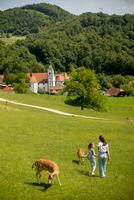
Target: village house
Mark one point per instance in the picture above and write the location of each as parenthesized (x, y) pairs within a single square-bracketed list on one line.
[(47, 82), (4, 87), (115, 92)]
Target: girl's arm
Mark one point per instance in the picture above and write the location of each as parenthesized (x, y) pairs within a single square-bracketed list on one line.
[(93, 152)]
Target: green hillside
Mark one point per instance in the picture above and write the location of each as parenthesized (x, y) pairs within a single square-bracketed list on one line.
[(22, 22), (30, 18), (55, 12), (101, 42), (14, 59), (28, 134)]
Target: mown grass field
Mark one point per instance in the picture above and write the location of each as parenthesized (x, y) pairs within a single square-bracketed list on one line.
[(12, 39), (28, 134)]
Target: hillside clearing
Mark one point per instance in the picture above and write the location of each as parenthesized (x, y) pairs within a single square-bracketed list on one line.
[(12, 39)]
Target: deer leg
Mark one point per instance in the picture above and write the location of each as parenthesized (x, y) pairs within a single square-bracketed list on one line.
[(58, 179), (80, 160), (38, 175)]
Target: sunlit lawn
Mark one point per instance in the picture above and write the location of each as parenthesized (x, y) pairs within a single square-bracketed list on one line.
[(28, 134)]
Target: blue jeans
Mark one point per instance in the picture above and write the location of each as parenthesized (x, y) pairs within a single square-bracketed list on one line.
[(93, 165), (102, 165)]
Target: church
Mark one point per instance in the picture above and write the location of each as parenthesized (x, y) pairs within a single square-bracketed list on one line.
[(47, 82)]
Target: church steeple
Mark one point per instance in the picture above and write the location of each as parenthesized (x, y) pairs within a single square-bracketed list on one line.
[(51, 76)]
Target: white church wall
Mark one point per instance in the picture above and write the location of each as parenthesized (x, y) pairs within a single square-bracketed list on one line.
[(34, 87)]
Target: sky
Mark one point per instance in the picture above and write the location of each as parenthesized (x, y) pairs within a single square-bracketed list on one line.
[(77, 7)]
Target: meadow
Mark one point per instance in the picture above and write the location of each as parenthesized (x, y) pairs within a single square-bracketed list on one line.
[(12, 39), (28, 134)]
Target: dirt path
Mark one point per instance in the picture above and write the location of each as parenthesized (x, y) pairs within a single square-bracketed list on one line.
[(50, 110)]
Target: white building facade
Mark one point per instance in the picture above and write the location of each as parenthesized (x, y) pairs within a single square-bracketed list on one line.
[(47, 82)]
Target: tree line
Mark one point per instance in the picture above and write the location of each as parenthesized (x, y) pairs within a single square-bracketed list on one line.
[(103, 43)]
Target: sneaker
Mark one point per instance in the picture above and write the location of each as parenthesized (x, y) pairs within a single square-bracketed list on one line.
[(102, 176)]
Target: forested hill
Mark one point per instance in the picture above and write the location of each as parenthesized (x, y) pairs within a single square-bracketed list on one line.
[(55, 12), (98, 41), (30, 18), (22, 22)]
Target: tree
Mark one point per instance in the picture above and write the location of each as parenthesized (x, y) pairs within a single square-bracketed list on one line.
[(19, 81), (118, 80), (21, 87), (83, 90), (129, 89), (104, 81)]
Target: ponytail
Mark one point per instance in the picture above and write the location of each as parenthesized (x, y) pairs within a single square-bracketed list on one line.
[(102, 139)]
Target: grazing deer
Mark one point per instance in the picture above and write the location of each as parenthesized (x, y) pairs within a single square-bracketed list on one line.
[(81, 154), (48, 165)]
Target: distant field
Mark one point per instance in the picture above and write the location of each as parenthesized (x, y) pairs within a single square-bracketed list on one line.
[(28, 134), (12, 39)]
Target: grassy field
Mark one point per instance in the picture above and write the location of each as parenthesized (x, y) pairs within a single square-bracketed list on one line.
[(12, 39), (28, 134)]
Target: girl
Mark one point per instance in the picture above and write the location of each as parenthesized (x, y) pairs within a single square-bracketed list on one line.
[(91, 157), (103, 155)]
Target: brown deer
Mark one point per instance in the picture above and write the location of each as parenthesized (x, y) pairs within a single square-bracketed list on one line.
[(81, 154), (48, 165)]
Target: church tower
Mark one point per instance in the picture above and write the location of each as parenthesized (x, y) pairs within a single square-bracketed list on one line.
[(51, 76)]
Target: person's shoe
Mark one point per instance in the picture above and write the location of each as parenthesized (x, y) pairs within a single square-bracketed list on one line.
[(92, 173), (102, 176)]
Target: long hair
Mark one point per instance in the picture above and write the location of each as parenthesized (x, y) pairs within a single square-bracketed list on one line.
[(90, 146), (102, 139)]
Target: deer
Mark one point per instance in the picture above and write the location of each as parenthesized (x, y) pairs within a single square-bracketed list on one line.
[(50, 166), (81, 154)]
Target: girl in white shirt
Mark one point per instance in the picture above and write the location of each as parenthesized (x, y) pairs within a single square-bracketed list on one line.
[(103, 155), (91, 157)]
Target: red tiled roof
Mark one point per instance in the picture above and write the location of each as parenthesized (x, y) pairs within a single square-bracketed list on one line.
[(39, 76), (62, 77), (8, 89), (113, 92)]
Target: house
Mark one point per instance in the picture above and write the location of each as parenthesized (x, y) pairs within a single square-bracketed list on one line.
[(4, 87), (47, 82), (115, 92), (8, 89)]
